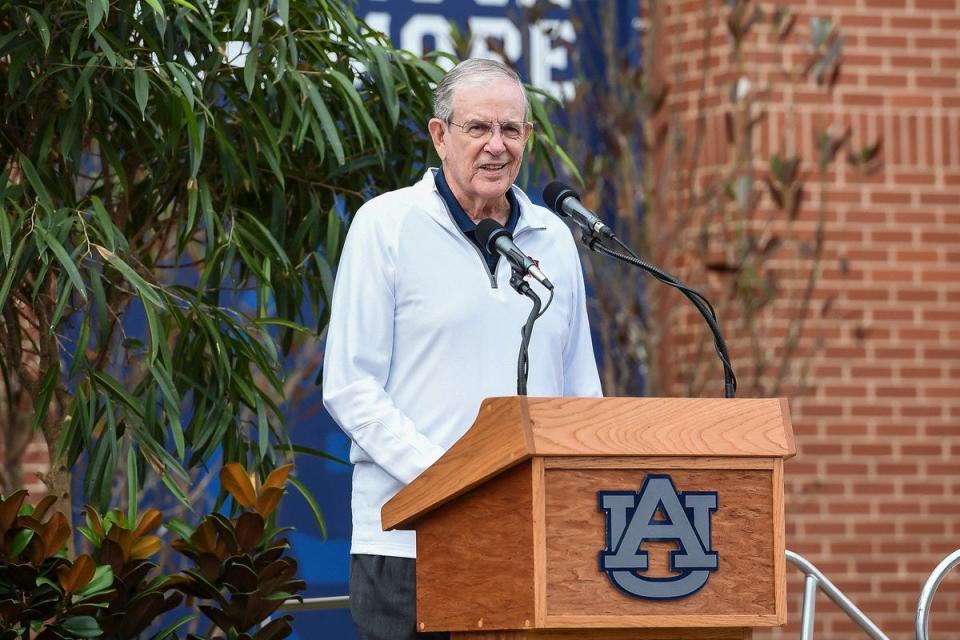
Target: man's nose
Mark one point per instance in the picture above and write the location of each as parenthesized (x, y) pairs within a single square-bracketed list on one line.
[(495, 144)]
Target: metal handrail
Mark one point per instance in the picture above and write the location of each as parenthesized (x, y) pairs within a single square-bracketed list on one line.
[(815, 578), (315, 604), (922, 622)]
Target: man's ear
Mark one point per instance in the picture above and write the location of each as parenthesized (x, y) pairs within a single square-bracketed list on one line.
[(438, 133)]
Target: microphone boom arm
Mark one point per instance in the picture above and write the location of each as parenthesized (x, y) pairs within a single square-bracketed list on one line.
[(699, 301)]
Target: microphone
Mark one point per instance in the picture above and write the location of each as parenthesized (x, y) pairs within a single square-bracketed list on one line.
[(496, 239), (565, 202)]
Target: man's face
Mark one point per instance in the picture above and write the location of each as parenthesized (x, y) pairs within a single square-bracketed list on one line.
[(481, 169)]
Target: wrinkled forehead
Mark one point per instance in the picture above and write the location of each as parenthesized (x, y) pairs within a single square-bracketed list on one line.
[(498, 99)]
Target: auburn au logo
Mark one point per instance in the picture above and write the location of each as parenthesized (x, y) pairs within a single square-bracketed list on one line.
[(658, 512)]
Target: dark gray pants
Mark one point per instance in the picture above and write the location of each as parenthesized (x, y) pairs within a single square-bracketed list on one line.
[(383, 598)]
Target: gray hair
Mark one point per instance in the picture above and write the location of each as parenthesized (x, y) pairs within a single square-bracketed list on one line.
[(472, 71)]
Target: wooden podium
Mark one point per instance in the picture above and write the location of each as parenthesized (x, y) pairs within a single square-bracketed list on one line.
[(561, 518)]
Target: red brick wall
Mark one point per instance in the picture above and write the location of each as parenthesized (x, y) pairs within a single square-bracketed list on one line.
[(33, 460), (873, 496)]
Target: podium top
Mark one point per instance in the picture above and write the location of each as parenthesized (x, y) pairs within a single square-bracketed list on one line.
[(509, 430)]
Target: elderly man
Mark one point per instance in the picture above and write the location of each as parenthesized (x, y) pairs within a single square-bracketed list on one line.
[(424, 324)]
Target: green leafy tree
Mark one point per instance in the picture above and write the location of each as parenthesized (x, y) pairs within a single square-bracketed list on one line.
[(186, 167)]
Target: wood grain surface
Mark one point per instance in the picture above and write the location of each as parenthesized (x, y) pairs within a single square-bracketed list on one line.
[(498, 439), (743, 533), (608, 634), (510, 430), (475, 562), (661, 426)]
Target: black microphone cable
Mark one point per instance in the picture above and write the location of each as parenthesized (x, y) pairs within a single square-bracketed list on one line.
[(699, 302), (554, 195)]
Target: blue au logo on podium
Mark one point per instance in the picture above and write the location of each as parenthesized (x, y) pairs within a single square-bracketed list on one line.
[(658, 512)]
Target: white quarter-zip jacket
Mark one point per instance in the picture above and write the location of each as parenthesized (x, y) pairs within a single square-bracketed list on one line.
[(420, 333)]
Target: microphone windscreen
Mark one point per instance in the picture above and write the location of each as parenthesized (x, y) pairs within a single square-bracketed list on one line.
[(488, 230), (555, 193)]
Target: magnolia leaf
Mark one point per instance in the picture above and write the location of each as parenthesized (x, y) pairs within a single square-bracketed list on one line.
[(82, 626), (145, 547), (149, 521), (236, 481), (76, 576), (278, 477)]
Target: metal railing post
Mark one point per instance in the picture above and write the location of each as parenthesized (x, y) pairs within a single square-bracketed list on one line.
[(809, 607), (925, 601), (842, 601)]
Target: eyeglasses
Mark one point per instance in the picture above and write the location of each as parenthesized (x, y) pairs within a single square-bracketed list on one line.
[(485, 128)]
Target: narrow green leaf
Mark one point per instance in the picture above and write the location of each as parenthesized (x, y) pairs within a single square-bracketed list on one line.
[(175, 489), (310, 451), (144, 289), (326, 275), (79, 354), (99, 308), (186, 5), (333, 235), (240, 17), (263, 430), (169, 631), (133, 484), (388, 89), (153, 327), (47, 386), (265, 234), (359, 110), (312, 503), (160, 20), (195, 131), (256, 27), (99, 477), (43, 28), (6, 235), (94, 15), (69, 266), (176, 430), (108, 232), (156, 6), (111, 384), (75, 41), (106, 48), (43, 196), (167, 388), (280, 322), (141, 89), (63, 299), (72, 426), (326, 121), (250, 70), (183, 81)]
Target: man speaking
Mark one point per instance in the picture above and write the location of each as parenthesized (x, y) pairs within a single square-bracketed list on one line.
[(424, 323)]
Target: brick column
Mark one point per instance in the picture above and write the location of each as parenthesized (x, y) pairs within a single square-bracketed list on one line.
[(874, 493)]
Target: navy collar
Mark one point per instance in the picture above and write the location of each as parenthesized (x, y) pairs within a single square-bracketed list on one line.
[(460, 216)]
